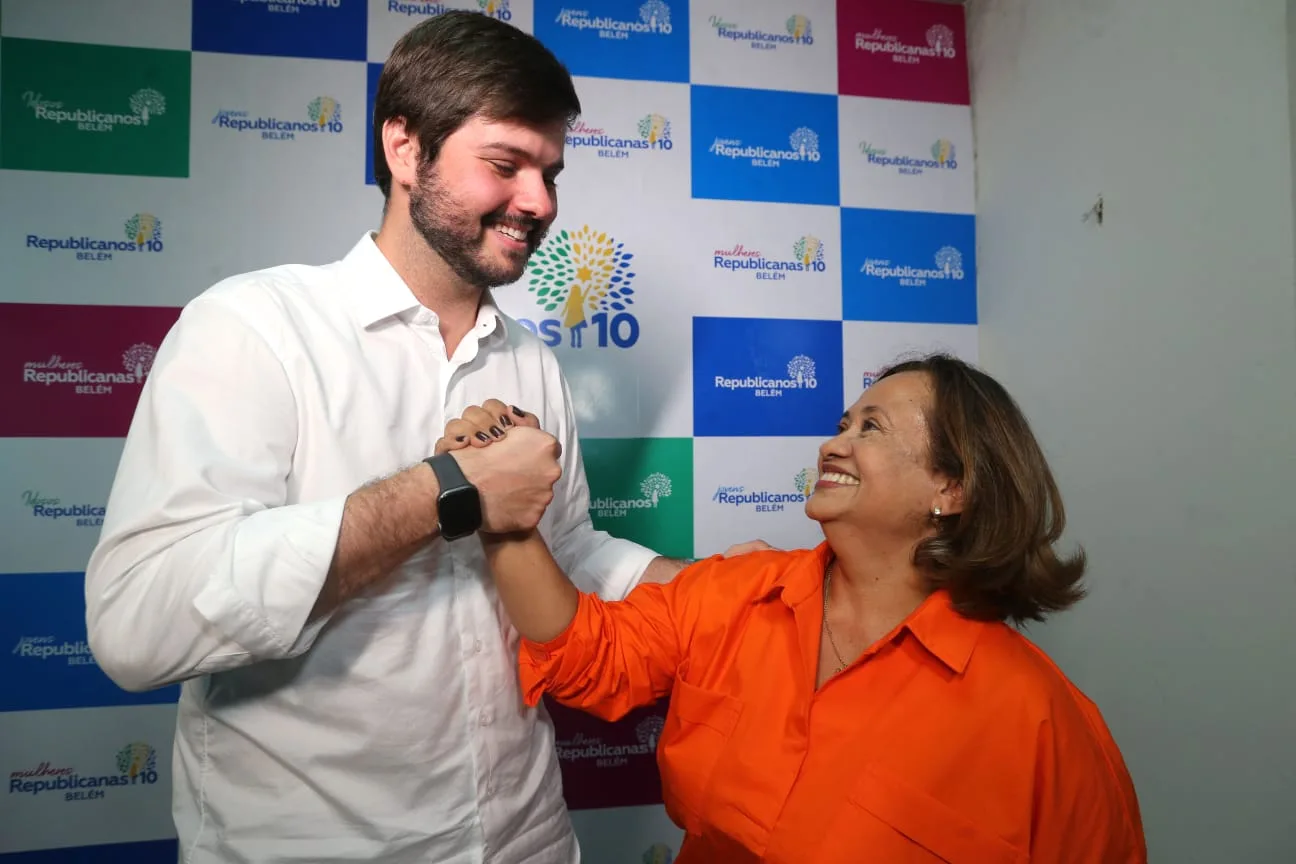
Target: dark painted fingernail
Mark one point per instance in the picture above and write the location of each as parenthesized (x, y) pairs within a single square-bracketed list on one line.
[(461, 438), (518, 411), (495, 430), (481, 436), (504, 419)]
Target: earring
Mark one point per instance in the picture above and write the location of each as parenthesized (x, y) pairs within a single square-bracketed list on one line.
[(936, 512)]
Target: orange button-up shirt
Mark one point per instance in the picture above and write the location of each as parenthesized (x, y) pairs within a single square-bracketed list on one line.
[(947, 740)]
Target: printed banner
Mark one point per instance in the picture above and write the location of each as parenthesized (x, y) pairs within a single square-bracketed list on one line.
[(94, 109), (902, 50), (76, 371), (762, 206)]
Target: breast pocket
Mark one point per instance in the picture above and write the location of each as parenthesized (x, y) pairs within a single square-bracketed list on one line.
[(698, 727), (885, 818)]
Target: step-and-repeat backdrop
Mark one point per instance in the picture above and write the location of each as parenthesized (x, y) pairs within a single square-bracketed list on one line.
[(766, 201)]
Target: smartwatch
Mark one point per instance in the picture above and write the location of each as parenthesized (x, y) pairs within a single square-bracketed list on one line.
[(458, 505)]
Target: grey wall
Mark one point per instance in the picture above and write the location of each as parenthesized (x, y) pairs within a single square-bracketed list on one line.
[(1156, 357)]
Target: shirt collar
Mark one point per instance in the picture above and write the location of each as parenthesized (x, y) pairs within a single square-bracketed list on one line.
[(378, 292), (936, 624)]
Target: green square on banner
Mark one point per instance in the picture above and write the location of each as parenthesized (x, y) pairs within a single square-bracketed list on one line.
[(641, 489), (94, 109)]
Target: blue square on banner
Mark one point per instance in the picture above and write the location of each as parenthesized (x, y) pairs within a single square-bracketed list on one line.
[(764, 145), (645, 40), (908, 266), (375, 72), (47, 663), (147, 852), (766, 376), (322, 30)]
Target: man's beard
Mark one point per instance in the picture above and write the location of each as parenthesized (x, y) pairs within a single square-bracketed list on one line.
[(459, 237)]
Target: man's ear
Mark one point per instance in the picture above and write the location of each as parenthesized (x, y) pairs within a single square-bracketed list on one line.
[(401, 150)]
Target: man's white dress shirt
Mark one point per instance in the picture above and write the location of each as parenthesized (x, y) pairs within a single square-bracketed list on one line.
[(393, 730)]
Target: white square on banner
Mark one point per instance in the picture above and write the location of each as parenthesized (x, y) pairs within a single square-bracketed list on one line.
[(390, 19), (759, 260), (630, 143), (754, 488), (899, 155), (634, 834), (142, 24), (766, 46), (869, 347), (104, 240), (104, 773), (602, 293), (52, 500), (278, 162)]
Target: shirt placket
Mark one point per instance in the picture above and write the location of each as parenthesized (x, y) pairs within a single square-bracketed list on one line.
[(475, 616), (471, 611)]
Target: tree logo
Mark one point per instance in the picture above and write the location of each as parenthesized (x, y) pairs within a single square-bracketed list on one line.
[(138, 760), (656, 486), (148, 101), (943, 153), (950, 262), (805, 143), (495, 9), (658, 853), (324, 110), (798, 27), (805, 481), (144, 227), (584, 276), (801, 369), (138, 359), (809, 251), (649, 730), (656, 15), (941, 39), (656, 130)]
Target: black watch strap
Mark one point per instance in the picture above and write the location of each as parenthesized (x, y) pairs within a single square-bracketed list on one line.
[(447, 470)]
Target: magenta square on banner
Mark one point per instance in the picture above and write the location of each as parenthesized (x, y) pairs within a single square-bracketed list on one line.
[(609, 764), (902, 49), (75, 371)]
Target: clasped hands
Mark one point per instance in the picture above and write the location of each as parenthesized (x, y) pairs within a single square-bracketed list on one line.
[(514, 464), (515, 477)]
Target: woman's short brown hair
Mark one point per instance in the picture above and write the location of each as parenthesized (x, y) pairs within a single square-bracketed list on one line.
[(447, 69), (996, 557)]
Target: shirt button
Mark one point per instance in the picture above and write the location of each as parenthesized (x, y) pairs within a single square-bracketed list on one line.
[(477, 646), (486, 717)]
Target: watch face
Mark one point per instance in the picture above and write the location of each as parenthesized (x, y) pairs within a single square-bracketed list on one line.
[(459, 511)]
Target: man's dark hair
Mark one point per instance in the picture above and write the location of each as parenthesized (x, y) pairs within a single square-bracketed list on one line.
[(454, 66)]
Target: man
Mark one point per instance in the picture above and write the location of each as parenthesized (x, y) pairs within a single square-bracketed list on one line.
[(275, 540)]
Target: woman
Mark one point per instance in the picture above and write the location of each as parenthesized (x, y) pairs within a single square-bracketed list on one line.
[(863, 700)]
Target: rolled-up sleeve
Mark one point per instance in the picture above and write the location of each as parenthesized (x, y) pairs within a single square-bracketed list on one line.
[(202, 565), (612, 658)]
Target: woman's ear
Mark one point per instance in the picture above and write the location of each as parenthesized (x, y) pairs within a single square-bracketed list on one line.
[(949, 500)]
